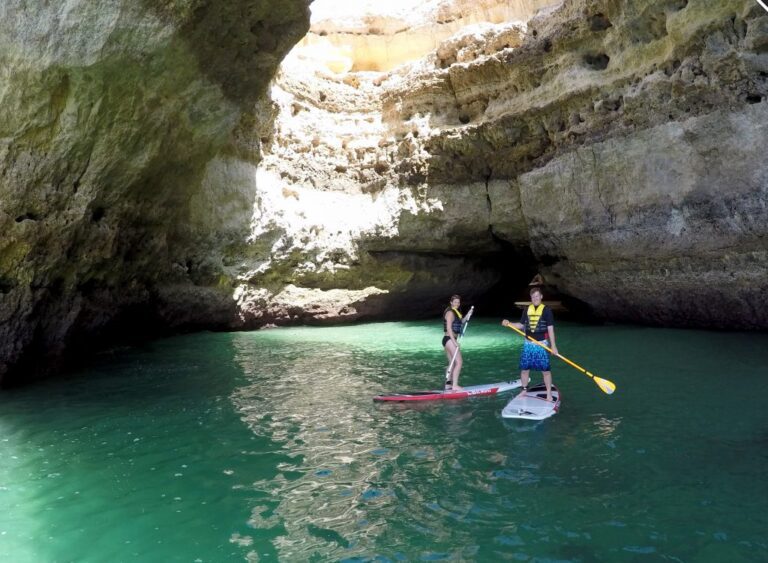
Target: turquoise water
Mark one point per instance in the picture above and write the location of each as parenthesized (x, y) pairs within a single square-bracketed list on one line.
[(266, 446)]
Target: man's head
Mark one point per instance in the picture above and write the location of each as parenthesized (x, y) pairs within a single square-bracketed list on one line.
[(536, 296)]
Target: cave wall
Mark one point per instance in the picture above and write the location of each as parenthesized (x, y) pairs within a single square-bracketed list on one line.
[(154, 176), (612, 146), (109, 113)]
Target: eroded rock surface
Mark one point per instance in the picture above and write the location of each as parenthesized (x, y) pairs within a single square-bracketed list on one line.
[(109, 112), (618, 143), (148, 181)]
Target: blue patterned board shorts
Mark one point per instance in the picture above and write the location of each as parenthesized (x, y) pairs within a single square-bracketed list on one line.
[(535, 357)]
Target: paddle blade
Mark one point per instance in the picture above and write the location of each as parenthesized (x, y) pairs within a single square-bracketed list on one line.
[(606, 386)]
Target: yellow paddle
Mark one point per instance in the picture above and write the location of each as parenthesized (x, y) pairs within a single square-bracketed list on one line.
[(605, 385)]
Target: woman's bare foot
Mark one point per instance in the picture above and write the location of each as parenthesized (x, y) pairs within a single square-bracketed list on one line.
[(458, 388)]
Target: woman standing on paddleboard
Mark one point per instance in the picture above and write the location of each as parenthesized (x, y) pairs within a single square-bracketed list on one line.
[(453, 325), (539, 324)]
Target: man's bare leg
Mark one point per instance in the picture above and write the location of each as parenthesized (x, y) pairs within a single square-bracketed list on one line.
[(548, 383)]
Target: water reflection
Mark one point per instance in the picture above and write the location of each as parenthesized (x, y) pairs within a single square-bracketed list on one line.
[(321, 499), (605, 426), (352, 460), (452, 480), (352, 465), (150, 459)]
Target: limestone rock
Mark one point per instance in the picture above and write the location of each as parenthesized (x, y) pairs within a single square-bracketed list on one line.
[(376, 37), (550, 143), (109, 112), (665, 226), (147, 178)]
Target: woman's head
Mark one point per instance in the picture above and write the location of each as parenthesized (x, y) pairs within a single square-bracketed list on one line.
[(455, 301)]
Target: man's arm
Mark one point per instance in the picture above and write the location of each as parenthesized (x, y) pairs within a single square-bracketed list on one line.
[(551, 333)]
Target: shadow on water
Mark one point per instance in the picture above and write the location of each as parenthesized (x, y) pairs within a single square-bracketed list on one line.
[(133, 458)]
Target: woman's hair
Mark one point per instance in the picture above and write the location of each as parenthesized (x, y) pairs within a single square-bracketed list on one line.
[(454, 297), (535, 290)]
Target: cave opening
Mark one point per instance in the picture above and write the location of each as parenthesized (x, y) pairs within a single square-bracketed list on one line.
[(519, 270)]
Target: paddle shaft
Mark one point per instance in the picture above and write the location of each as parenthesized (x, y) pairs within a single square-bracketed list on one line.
[(456, 351)]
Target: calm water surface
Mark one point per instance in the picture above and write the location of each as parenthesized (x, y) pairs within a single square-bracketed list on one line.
[(266, 446)]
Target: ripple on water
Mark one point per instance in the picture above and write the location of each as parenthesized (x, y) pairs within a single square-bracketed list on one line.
[(224, 447)]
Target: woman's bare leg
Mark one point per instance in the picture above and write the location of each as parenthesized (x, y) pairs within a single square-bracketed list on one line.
[(456, 371), (449, 349)]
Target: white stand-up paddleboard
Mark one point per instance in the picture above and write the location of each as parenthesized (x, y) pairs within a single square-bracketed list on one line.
[(441, 395), (533, 404)]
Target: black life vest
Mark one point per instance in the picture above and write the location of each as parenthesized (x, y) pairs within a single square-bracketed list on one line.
[(456, 325)]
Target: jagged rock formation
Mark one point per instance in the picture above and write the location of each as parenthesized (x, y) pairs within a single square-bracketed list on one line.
[(148, 181), (613, 146), (377, 37), (109, 112)]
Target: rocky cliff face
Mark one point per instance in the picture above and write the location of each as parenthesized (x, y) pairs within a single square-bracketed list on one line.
[(109, 112), (149, 181), (377, 37), (613, 146)]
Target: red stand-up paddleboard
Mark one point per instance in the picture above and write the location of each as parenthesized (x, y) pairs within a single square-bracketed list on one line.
[(441, 395)]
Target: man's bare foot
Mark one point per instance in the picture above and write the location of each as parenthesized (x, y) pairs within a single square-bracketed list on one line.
[(549, 398), (458, 388)]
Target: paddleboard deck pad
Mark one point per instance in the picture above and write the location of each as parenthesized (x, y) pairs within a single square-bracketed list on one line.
[(533, 404), (442, 395)]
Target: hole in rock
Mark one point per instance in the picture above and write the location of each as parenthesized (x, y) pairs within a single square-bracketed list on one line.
[(29, 216), (598, 22), (6, 285), (596, 61), (97, 214)]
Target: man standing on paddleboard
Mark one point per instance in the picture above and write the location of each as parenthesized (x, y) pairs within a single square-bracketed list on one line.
[(539, 323)]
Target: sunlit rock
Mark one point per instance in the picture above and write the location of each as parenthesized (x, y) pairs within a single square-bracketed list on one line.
[(381, 36), (513, 138)]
